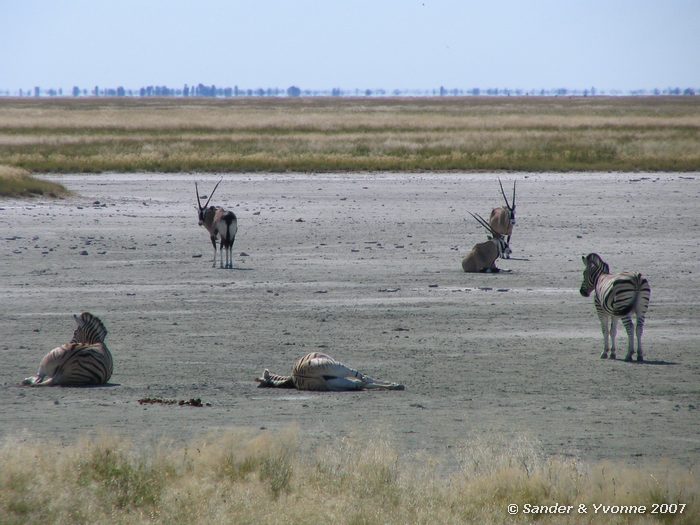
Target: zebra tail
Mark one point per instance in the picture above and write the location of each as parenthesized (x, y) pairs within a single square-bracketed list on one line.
[(90, 329)]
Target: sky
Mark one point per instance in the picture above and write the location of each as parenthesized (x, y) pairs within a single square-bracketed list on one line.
[(365, 44)]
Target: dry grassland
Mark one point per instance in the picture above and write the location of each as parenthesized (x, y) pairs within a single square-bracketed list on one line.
[(331, 135), (248, 477)]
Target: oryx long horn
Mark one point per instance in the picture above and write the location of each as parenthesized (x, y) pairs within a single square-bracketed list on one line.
[(513, 208), (199, 203), (504, 194), (483, 222), (212, 192)]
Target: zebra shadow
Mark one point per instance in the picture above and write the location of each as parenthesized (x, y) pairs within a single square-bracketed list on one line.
[(659, 362), (106, 385)]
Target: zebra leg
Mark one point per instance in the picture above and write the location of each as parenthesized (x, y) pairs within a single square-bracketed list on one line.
[(629, 327), (604, 327), (341, 384), (613, 337), (640, 330)]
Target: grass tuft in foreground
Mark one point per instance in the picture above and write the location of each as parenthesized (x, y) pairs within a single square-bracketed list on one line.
[(247, 477), (16, 182)]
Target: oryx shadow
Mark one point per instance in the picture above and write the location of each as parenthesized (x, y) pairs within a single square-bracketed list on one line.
[(653, 362)]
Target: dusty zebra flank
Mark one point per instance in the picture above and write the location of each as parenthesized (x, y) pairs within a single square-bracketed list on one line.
[(86, 360), (320, 372), (220, 223), (482, 257), (618, 296)]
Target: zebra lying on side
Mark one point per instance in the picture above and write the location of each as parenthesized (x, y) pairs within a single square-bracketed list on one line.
[(86, 360), (320, 372), (616, 296)]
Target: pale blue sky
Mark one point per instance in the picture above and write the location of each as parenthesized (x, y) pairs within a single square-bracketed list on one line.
[(609, 44)]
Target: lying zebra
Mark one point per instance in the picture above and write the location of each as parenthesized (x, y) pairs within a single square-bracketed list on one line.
[(616, 296), (86, 360), (320, 372)]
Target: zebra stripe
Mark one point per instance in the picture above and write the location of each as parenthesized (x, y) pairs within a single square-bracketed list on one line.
[(90, 329), (320, 372), (86, 360), (616, 297)]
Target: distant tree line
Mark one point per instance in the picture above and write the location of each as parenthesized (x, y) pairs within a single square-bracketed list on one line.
[(212, 91)]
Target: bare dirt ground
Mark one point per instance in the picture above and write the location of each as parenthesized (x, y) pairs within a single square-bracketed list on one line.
[(365, 268)]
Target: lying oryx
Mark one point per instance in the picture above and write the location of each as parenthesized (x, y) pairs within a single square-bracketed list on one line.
[(320, 372), (482, 257), (502, 219), (219, 223)]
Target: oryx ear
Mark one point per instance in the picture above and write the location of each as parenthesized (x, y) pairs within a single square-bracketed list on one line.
[(489, 237)]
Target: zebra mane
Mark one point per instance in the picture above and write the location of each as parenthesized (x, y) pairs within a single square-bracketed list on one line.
[(90, 329), (595, 261)]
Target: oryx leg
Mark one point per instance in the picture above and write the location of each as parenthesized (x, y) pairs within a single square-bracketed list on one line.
[(230, 249), (213, 242)]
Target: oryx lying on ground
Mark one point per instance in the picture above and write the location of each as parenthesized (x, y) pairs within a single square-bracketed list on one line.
[(86, 360), (482, 257), (502, 219), (616, 297), (317, 371), (219, 223)]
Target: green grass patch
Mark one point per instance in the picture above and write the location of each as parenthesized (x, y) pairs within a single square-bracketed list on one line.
[(17, 182)]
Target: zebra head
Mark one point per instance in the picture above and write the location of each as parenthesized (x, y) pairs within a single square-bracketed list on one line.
[(594, 267), (203, 209)]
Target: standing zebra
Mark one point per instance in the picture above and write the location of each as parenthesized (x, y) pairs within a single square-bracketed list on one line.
[(219, 223), (320, 372), (616, 296), (86, 360)]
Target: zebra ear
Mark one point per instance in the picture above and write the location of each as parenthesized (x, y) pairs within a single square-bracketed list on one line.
[(583, 258)]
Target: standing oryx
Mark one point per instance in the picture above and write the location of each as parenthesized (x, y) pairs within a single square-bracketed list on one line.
[(502, 219), (320, 372), (219, 223), (86, 360), (616, 296), (482, 257)]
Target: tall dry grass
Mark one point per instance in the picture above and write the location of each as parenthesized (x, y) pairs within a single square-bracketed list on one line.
[(269, 477), (17, 182), (532, 134)]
